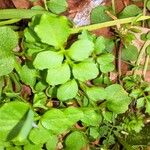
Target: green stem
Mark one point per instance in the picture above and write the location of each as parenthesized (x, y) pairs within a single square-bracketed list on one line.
[(145, 66), (11, 21), (113, 6), (21, 13), (147, 43), (108, 24), (144, 11)]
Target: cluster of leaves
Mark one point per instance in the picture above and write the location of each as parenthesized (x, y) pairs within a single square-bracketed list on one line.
[(55, 91)]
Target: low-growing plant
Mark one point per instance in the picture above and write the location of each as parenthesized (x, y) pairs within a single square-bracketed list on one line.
[(56, 92)]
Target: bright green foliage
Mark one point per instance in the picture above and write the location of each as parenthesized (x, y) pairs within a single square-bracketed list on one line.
[(105, 59), (74, 114), (80, 50), (57, 6), (56, 121), (32, 146), (39, 135), (52, 143), (26, 127), (75, 136), (148, 50), (7, 61), (67, 91), (39, 100), (130, 53), (67, 81), (130, 11), (148, 106), (13, 125), (91, 117), (28, 75), (85, 71), (107, 67), (106, 62), (58, 75), (99, 15), (50, 27), (133, 123), (117, 99), (96, 93), (148, 5), (47, 59), (100, 45)]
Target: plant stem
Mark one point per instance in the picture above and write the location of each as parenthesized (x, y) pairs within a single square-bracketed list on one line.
[(21, 13), (145, 66), (108, 24), (113, 6), (120, 61), (11, 21), (147, 43), (144, 11)]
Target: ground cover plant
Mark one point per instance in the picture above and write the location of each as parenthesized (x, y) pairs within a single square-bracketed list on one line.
[(56, 90)]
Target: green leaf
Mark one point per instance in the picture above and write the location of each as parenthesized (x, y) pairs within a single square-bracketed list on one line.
[(91, 117), (7, 63), (94, 132), (147, 106), (130, 53), (28, 75), (81, 50), (107, 67), (40, 100), (96, 93), (86, 35), (58, 75), (99, 15), (57, 6), (48, 59), (12, 119), (40, 86), (148, 5), (67, 91), (55, 120), (27, 125), (130, 11), (75, 136), (148, 50), (108, 116), (85, 71), (105, 59), (117, 99), (53, 30), (140, 102), (109, 43), (135, 93), (8, 41), (74, 114), (39, 135), (52, 143), (99, 45), (33, 147)]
